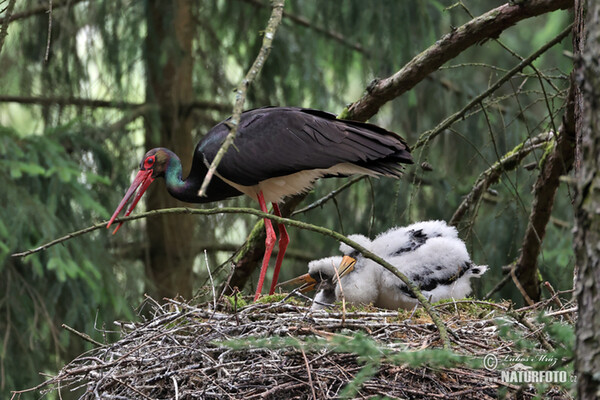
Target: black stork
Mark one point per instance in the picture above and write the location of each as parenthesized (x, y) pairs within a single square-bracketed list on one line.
[(277, 152)]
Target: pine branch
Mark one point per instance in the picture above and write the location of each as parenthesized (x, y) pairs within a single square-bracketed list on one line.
[(488, 25), (279, 220), (255, 69)]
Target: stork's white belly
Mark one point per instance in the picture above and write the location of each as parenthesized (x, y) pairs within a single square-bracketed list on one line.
[(276, 189)]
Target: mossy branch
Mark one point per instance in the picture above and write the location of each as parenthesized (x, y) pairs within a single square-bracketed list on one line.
[(280, 220)]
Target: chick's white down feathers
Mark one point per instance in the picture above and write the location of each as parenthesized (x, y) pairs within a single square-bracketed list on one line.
[(428, 252)]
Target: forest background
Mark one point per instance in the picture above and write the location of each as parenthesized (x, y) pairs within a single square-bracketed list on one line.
[(86, 89)]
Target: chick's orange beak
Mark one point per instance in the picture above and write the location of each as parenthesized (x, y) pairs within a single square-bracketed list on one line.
[(308, 283), (346, 266)]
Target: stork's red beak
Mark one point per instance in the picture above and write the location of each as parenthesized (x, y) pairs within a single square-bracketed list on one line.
[(309, 283), (143, 178)]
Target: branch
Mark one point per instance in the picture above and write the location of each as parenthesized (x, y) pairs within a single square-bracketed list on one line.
[(330, 195), (488, 25), (255, 69), (279, 220), (81, 102), (427, 136), (41, 9), (490, 176)]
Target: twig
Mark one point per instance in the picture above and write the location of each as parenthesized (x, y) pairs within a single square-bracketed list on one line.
[(310, 382), (497, 287), (330, 195), (339, 282), (47, 55), (176, 388), (562, 312), (328, 33), (84, 336), (554, 297), (517, 283), (509, 161), (212, 283), (240, 94)]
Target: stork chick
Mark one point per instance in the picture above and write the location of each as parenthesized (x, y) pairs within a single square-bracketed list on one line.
[(429, 253)]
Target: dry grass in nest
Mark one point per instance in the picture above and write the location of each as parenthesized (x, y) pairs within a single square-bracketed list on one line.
[(284, 350)]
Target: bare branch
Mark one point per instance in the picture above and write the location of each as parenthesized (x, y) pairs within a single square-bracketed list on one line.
[(488, 25), (95, 103), (255, 69)]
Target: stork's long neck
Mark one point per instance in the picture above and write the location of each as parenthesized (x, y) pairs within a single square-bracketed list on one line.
[(184, 190)]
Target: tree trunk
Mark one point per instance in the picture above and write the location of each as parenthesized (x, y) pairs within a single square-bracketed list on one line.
[(168, 57), (587, 221)]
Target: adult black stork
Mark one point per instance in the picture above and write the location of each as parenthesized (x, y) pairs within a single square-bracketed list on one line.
[(277, 152)]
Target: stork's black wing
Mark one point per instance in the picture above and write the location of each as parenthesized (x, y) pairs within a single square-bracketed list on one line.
[(277, 141)]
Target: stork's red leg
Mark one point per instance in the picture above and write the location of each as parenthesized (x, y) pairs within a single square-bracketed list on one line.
[(284, 239), (269, 245)]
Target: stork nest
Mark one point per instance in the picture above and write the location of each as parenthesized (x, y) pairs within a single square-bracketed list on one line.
[(282, 349)]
